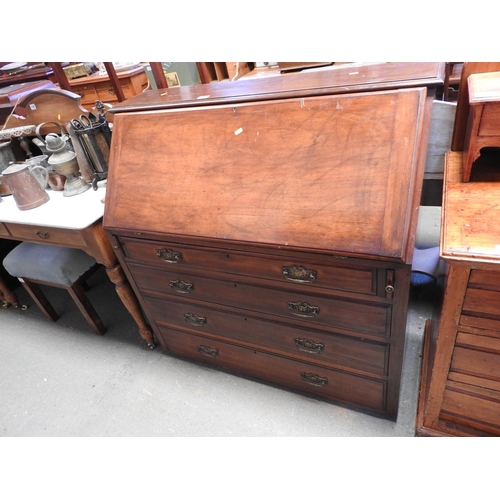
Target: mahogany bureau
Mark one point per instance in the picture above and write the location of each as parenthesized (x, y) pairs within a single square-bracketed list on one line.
[(267, 226)]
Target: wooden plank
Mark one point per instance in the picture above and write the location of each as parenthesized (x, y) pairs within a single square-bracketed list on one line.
[(441, 129)]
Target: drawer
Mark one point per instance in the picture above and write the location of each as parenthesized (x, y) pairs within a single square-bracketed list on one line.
[(486, 280), (490, 119), (481, 309), (478, 358), (364, 317), (86, 92), (41, 234), (3, 230), (332, 384), (300, 271), (308, 345), (106, 93), (478, 410)]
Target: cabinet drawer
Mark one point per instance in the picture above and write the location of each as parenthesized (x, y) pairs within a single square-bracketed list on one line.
[(327, 383), (309, 345), (3, 230), (490, 119), (50, 235), (477, 356), (481, 309), (368, 318), (479, 411), (300, 271), (87, 93), (106, 93)]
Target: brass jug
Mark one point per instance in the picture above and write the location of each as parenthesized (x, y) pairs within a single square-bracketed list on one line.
[(26, 190)]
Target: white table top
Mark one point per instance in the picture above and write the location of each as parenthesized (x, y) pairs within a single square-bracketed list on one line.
[(67, 212)]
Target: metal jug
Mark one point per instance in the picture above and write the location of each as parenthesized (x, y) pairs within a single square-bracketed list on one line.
[(6, 158), (24, 187)]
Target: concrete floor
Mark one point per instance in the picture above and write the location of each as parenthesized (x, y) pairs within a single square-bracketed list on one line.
[(61, 379)]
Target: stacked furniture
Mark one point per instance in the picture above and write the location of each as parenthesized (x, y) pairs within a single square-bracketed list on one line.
[(267, 226)]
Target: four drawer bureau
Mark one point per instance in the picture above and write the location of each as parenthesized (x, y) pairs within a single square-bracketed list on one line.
[(267, 227)]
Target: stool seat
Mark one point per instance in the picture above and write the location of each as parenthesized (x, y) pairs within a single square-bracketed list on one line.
[(53, 264), (62, 267)]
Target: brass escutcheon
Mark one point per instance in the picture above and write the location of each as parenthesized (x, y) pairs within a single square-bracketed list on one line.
[(167, 255), (194, 319), (207, 351), (181, 286), (299, 274), (313, 379), (309, 346), (303, 309)]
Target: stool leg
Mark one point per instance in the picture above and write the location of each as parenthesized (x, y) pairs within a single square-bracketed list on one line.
[(41, 301), (87, 309)]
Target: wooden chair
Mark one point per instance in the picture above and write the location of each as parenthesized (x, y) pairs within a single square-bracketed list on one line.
[(34, 264)]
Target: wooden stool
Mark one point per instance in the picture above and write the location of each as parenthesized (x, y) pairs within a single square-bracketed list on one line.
[(61, 267)]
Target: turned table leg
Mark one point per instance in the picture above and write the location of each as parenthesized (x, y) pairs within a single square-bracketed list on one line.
[(99, 246), (7, 296), (129, 299)]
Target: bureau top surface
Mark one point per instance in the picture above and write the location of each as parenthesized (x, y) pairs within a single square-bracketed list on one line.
[(333, 79), (470, 229), (329, 174)]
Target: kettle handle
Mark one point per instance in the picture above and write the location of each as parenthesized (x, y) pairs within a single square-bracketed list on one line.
[(39, 127), (40, 174)]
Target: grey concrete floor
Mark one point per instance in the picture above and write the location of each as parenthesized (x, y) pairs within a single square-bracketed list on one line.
[(62, 380)]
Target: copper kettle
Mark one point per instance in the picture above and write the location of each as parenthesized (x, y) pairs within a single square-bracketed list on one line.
[(26, 190)]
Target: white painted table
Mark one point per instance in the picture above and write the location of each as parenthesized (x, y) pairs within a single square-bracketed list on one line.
[(74, 222)]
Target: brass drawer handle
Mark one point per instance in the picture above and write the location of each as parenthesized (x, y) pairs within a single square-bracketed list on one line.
[(181, 286), (43, 235), (303, 309), (299, 274), (313, 379), (207, 351), (169, 256), (309, 346), (194, 319)]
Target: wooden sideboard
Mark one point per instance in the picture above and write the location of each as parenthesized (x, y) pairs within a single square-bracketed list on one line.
[(460, 382), (270, 230), (99, 87)]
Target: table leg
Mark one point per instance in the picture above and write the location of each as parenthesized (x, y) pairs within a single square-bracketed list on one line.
[(99, 246), (127, 296), (7, 296)]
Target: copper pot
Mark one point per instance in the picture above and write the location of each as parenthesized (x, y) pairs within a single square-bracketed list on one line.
[(6, 158), (25, 189)]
